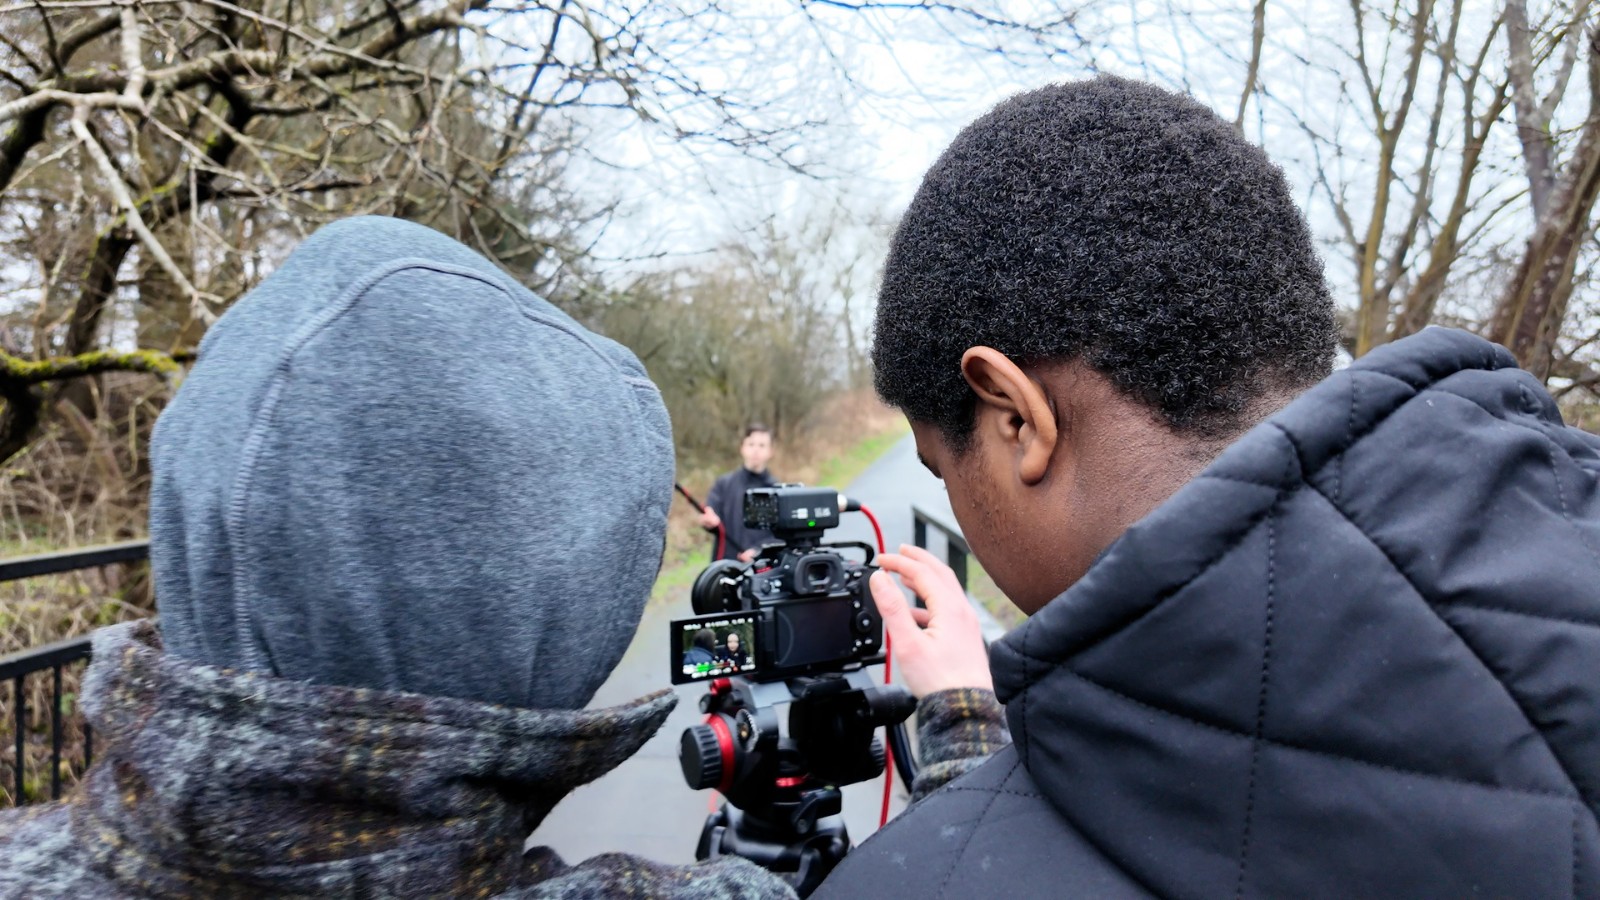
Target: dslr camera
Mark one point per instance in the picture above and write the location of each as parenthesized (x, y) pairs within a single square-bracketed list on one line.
[(794, 628), (799, 608)]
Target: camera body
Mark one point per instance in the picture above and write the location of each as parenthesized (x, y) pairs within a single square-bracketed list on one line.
[(800, 608)]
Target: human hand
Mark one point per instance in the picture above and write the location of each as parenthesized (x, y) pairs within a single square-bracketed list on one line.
[(937, 648), (747, 556), (709, 519)]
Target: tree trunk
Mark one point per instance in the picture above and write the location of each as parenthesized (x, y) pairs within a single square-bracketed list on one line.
[(18, 417), (99, 286), (1527, 319)]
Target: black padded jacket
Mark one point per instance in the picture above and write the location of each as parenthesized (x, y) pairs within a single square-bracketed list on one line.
[(1358, 656)]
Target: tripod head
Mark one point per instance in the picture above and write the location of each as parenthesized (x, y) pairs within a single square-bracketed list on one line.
[(784, 802)]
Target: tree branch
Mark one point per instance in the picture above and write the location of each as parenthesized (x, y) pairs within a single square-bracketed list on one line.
[(1258, 33), (147, 238), (17, 370), (103, 89), (1532, 128)]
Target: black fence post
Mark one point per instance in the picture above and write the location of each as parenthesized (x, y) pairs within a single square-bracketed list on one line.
[(55, 738), (956, 550), (955, 554), (17, 667), (21, 705)]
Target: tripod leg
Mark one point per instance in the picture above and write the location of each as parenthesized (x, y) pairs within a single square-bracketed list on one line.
[(711, 835), (803, 860), (817, 861)]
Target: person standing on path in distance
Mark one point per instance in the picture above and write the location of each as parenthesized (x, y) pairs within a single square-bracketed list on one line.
[(1293, 632), (725, 500)]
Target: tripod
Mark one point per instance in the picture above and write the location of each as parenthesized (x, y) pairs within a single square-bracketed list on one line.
[(784, 805)]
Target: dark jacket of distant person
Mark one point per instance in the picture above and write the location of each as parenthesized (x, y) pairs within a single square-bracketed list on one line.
[(726, 497), (380, 544), (1356, 657)]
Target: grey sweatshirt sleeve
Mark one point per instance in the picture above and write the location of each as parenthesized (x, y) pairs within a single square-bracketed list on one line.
[(957, 731)]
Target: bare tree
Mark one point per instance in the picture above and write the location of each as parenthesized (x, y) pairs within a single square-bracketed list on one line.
[(1397, 154), (1446, 208), (761, 331), (1372, 315), (180, 140), (1530, 313), (159, 156), (1258, 34)]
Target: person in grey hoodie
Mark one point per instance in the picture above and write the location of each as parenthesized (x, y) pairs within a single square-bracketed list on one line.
[(388, 581)]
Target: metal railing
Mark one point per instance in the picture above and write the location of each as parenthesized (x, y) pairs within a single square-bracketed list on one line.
[(956, 552), (16, 667), (956, 549)]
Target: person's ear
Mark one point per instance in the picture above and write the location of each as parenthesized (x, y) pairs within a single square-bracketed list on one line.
[(1022, 412)]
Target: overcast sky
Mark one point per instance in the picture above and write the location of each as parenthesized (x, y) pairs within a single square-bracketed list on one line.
[(894, 92)]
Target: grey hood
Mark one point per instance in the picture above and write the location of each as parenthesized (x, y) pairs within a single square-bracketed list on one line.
[(395, 468)]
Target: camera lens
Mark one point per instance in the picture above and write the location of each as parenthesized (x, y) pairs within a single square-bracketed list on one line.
[(716, 590)]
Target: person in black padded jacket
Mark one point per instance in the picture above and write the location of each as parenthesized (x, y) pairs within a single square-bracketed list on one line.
[(1294, 632)]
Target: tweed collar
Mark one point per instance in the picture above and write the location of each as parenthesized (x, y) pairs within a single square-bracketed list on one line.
[(209, 776)]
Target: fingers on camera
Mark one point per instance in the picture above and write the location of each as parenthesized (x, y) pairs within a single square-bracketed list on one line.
[(895, 610)]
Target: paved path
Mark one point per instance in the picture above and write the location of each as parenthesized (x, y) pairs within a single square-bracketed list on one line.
[(643, 806)]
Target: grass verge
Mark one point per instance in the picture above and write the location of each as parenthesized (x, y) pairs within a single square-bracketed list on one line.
[(983, 589)]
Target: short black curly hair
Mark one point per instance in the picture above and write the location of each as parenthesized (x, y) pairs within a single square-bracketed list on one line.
[(1116, 222)]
